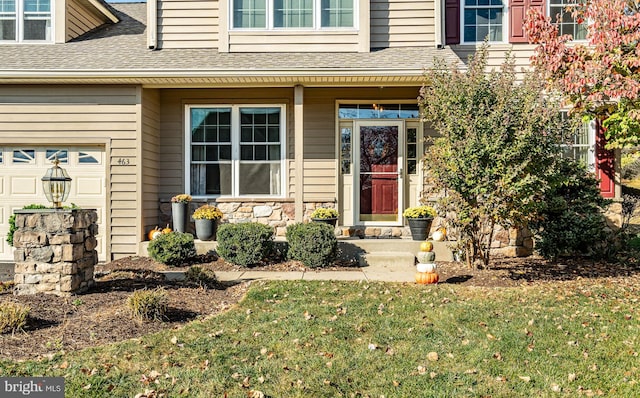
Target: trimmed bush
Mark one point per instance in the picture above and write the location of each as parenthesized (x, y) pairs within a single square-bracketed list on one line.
[(245, 244), (173, 249), (148, 305), (201, 277), (314, 244), (13, 316)]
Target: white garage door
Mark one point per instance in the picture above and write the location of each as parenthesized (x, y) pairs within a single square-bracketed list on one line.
[(21, 170)]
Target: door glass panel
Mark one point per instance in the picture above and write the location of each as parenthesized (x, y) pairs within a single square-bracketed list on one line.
[(379, 173)]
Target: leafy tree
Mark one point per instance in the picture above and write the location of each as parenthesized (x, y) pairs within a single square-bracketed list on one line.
[(602, 78), (499, 141)]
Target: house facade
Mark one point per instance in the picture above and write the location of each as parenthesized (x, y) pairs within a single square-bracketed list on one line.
[(267, 108)]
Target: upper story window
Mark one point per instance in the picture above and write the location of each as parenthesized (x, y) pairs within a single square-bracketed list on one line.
[(25, 20), (482, 18), (293, 14), (560, 11)]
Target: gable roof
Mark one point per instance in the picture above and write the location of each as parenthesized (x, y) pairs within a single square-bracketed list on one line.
[(118, 54)]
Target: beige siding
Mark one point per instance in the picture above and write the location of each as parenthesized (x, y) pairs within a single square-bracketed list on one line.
[(279, 41), (402, 23), (188, 24), (172, 128), (150, 155), (105, 116), (497, 53), (79, 20)]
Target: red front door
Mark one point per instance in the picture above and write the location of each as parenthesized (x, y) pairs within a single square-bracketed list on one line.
[(379, 172)]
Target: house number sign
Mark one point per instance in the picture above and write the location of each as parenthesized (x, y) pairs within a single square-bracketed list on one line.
[(123, 161)]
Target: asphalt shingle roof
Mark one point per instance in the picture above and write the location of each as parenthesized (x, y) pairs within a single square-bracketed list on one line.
[(122, 49)]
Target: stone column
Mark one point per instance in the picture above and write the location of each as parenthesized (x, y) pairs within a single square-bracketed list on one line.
[(55, 251)]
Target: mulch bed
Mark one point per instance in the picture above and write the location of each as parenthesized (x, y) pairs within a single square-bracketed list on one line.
[(100, 316)]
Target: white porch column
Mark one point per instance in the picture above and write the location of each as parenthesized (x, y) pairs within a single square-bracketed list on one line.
[(298, 122)]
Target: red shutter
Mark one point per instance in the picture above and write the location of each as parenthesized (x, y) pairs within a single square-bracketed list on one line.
[(452, 22), (605, 166), (517, 13)]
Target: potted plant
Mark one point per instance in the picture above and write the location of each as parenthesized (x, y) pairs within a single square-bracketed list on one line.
[(420, 219), (206, 218), (326, 215), (180, 212)]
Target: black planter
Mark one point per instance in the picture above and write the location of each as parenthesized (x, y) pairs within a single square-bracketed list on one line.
[(420, 227), (330, 221)]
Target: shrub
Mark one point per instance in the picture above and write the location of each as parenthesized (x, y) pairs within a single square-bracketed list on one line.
[(245, 243), (12, 222), (201, 277), (572, 222), (314, 244), (13, 316), (148, 304), (174, 248)]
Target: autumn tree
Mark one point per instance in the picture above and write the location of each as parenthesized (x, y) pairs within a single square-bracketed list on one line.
[(498, 148), (600, 78)]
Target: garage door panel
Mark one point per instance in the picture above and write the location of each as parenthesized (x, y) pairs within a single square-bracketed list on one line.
[(87, 186), (23, 186)]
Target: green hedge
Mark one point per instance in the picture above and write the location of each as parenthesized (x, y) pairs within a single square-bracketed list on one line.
[(245, 243), (174, 248), (314, 244)]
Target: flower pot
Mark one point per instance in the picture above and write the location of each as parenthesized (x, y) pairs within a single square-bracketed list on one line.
[(420, 227), (330, 221), (180, 216), (206, 229)]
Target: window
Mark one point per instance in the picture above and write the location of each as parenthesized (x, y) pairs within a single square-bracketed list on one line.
[(236, 150), (24, 156), (483, 18), (581, 145), (25, 20), (567, 24), (293, 14), (61, 154), (378, 111), (412, 150)]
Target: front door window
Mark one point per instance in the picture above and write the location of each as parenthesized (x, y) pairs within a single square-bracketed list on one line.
[(379, 171)]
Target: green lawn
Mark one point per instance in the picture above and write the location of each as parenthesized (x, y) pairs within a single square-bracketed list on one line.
[(324, 339)]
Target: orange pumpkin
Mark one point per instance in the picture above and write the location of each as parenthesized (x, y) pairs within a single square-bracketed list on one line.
[(152, 233), (425, 278), (426, 246), (167, 230)]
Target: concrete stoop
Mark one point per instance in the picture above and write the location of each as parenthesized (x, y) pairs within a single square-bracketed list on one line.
[(389, 260)]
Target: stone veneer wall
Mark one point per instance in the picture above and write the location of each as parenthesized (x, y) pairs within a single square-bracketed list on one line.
[(55, 251)]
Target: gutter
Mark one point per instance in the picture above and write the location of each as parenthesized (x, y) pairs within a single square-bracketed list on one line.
[(152, 24)]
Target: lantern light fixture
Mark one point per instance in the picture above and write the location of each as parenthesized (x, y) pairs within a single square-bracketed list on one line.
[(56, 184)]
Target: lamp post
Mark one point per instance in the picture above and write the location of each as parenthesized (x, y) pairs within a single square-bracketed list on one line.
[(57, 184)]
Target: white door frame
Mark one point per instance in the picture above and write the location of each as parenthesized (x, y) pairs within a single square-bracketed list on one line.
[(356, 168)]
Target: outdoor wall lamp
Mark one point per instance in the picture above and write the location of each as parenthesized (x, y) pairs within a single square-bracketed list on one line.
[(57, 184)]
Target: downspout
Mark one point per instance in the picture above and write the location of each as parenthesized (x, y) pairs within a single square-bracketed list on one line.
[(439, 20), (152, 24)]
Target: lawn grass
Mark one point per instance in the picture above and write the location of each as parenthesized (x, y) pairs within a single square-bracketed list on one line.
[(332, 339)]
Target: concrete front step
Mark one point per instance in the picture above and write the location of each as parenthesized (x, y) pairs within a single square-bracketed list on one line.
[(387, 259)]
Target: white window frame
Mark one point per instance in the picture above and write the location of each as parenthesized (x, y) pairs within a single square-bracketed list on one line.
[(235, 149), (564, 4), (317, 19), (20, 17), (505, 22), (590, 145)]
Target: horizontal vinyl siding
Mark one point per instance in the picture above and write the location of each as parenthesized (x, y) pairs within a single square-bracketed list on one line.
[(402, 23), (497, 53), (150, 159), (188, 24), (291, 41), (79, 20), (84, 114), (172, 108)]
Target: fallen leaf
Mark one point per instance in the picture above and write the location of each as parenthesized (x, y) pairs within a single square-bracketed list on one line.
[(433, 356), (422, 370), (526, 379), (255, 394)]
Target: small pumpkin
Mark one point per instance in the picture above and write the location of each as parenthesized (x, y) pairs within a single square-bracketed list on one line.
[(425, 278), (427, 267), (440, 235), (426, 246), (167, 230), (426, 257), (152, 233)]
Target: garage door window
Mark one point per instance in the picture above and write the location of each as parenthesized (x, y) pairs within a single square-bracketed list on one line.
[(24, 156), (86, 158), (61, 154), (1, 156)]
